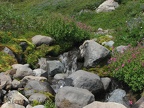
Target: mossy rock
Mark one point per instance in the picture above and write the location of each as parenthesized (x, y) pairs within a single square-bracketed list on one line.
[(6, 61), (102, 39)]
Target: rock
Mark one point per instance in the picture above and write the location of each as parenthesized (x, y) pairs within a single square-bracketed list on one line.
[(72, 97), (11, 105), (29, 106), (86, 80), (93, 53), (109, 43), (5, 81), (101, 31), (40, 72), (39, 97), (55, 67), (39, 40), (70, 61), (17, 66), (23, 45), (23, 71), (118, 96), (43, 64), (106, 81), (39, 106), (139, 103), (25, 80), (60, 76), (16, 84), (11, 72), (34, 86), (1, 96), (97, 104), (121, 48), (9, 51), (16, 98), (106, 6)]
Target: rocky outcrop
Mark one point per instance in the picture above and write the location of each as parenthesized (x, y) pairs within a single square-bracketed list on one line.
[(108, 5), (72, 97), (93, 53)]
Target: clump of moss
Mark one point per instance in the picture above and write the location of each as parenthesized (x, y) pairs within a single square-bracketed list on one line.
[(6, 61)]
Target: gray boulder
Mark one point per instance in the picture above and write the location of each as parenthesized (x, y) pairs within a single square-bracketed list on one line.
[(29, 106), (39, 97), (11, 105), (39, 40), (16, 98), (60, 76), (55, 67), (72, 97), (106, 81), (5, 81), (92, 52), (34, 86), (17, 66), (43, 64), (86, 80), (118, 96), (106, 6), (97, 104), (23, 71)]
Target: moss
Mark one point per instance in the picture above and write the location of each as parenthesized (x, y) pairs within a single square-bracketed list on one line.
[(99, 70), (6, 61), (35, 102)]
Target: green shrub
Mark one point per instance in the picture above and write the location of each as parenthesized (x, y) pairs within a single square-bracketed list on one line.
[(129, 67), (49, 104)]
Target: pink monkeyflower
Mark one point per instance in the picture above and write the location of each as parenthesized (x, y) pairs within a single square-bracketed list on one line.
[(123, 65), (129, 61), (116, 69), (133, 55)]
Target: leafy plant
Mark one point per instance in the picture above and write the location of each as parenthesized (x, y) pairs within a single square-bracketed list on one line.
[(128, 67), (49, 104)]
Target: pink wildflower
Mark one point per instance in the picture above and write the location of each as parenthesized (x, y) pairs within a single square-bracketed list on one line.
[(129, 61), (123, 65), (116, 69), (142, 64), (130, 102), (133, 55)]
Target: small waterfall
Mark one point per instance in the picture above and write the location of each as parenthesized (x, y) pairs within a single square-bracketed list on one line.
[(69, 60)]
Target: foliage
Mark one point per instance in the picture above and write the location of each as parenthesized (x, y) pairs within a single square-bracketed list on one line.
[(128, 67), (49, 104), (35, 102)]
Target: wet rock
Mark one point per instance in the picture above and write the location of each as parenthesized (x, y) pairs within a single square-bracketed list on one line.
[(86, 80), (93, 53), (97, 104), (72, 97)]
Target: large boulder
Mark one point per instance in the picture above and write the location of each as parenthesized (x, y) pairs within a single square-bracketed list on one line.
[(118, 96), (55, 67), (16, 98), (86, 80), (72, 97), (39, 40), (34, 86), (93, 53), (97, 104), (108, 5)]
